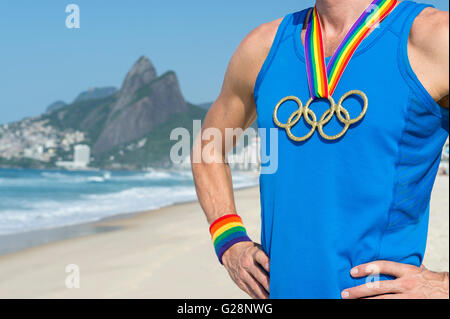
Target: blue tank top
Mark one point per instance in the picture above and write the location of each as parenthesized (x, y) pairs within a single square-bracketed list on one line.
[(332, 205)]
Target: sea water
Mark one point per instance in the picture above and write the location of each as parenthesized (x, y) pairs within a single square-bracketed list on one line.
[(41, 199)]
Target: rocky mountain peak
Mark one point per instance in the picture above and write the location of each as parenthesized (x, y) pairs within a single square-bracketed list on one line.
[(142, 73), (114, 123), (144, 101)]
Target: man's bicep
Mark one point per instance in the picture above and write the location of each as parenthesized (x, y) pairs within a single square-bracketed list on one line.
[(230, 111)]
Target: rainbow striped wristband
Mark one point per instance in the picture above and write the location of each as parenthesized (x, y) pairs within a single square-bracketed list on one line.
[(227, 231)]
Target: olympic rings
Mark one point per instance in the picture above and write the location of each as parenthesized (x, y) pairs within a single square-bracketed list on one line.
[(311, 118)]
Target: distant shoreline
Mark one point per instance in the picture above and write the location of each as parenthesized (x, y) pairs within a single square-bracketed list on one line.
[(89, 169)]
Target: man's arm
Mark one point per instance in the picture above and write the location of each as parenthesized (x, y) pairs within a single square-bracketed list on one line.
[(235, 108), (428, 52)]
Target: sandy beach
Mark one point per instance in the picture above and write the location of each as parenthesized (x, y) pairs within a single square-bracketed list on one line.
[(165, 253)]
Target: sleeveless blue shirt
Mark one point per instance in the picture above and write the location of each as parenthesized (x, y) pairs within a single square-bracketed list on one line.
[(333, 205)]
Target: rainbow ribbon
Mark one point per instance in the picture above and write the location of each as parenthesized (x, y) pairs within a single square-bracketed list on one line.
[(227, 231), (323, 80)]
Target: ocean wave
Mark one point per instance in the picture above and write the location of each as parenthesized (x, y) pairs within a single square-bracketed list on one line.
[(97, 179), (53, 175), (74, 178), (157, 175), (51, 213), (50, 178)]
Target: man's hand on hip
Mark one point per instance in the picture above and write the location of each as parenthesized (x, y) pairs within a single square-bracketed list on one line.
[(411, 282), (248, 266)]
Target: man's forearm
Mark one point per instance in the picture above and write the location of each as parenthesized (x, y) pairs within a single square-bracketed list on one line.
[(214, 186), (245, 262)]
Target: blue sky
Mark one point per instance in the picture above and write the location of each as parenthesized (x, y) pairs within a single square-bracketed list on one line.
[(42, 61)]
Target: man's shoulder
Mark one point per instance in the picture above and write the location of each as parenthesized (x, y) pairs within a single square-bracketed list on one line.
[(249, 57), (430, 31), (428, 49), (258, 42)]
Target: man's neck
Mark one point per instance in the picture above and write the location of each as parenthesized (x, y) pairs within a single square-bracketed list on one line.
[(337, 16)]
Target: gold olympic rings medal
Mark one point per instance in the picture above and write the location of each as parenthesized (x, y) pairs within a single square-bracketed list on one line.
[(311, 118)]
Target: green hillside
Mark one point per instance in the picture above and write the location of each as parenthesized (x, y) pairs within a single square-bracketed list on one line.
[(156, 150), (88, 116)]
